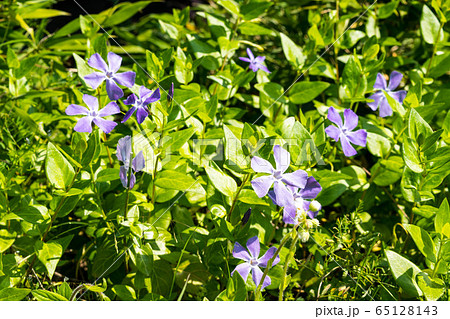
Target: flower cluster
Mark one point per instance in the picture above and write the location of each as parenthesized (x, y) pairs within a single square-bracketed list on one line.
[(109, 73)]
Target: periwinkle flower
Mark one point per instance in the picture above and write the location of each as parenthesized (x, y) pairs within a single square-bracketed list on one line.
[(380, 99), (140, 103), (255, 63), (344, 132), (253, 262), (93, 115), (300, 204), (170, 94), (277, 176), (109, 73), (124, 155)]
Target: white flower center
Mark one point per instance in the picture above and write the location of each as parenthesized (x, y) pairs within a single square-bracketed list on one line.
[(278, 174), (93, 113), (109, 74), (254, 262)]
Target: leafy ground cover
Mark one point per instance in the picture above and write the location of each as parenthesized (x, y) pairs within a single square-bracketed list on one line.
[(233, 150)]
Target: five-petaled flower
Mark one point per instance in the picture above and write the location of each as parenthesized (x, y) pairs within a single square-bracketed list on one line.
[(253, 262), (93, 115), (380, 99), (277, 177), (299, 204), (140, 103), (344, 131), (124, 155), (255, 63), (109, 73)]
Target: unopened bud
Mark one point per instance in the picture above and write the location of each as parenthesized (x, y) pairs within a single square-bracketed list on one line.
[(303, 236), (315, 206)]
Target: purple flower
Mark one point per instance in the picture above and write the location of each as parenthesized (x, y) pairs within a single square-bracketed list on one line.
[(344, 131), (170, 94), (277, 177), (255, 63), (299, 205), (124, 155), (140, 103), (253, 262), (93, 115), (380, 99), (109, 73)]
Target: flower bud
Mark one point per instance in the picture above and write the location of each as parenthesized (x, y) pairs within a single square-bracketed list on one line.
[(315, 206), (303, 235)]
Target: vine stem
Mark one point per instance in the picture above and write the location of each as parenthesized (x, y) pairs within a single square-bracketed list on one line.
[(258, 295), (286, 266), (233, 205), (435, 47)]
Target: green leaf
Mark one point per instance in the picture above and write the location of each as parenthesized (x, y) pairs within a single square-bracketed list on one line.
[(126, 11), (429, 25), (249, 196), (124, 292), (143, 258), (423, 241), (179, 181), (273, 90), (107, 259), (222, 182), (233, 150), (43, 14), (13, 294), (442, 219), (411, 155), (304, 92), (387, 171), (57, 168), (49, 254), (254, 9), (229, 5), (405, 273), (353, 79), (176, 140), (83, 68), (433, 288), (26, 66), (108, 174), (6, 239), (44, 295), (250, 28), (417, 126), (293, 53), (11, 59)]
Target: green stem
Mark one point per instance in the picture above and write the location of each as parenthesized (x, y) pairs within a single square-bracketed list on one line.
[(286, 266), (434, 47), (237, 195), (258, 295)]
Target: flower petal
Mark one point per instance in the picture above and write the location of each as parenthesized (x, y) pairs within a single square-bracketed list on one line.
[(377, 97), (245, 59), (257, 275), (311, 190), (346, 147), (264, 68), (359, 137), (129, 113), (97, 62), (333, 132), (110, 109), (260, 165), (143, 91), (334, 116), (124, 150), (261, 185), (84, 125), (243, 270), (399, 96), (260, 59), (250, 54), (350, 119), (105, 125), (114, 62), (282, 158), (132, 180), (284, 196), (273, 197), (380, 82), (141, 114), (95, 79), (123, 174), (74, 109), (297, 178), (267, 256), (91, 102), (113, 90), (385, 108), (253, 246), (125, 78), (131, 99), (139, 162), (290, 215), (240, 252), (394, 80), (155, 96)]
